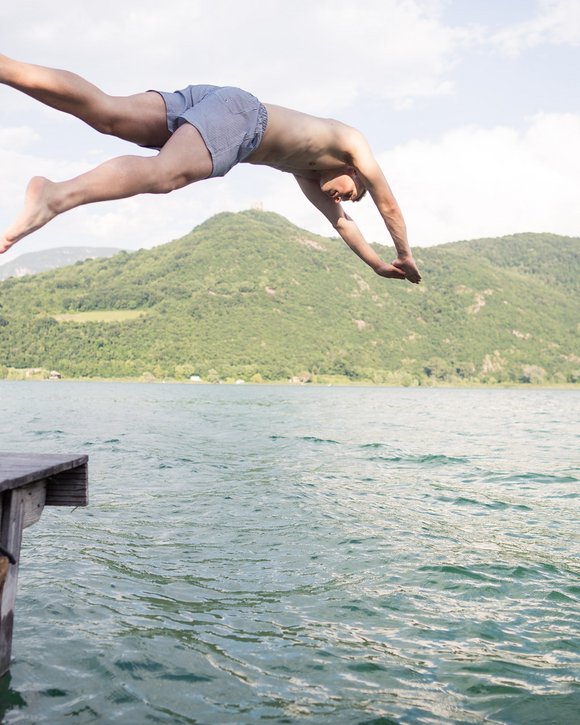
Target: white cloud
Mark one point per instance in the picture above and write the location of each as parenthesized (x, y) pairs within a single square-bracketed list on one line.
[(141, 221), (326, 57), (475, 182), (471, 182), (17, 137), (320, 56), (17, 167), (557, 22)]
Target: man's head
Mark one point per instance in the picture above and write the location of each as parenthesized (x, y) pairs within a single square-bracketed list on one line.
[(343, 185)]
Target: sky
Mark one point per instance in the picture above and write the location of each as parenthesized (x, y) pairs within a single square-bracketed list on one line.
[(471, 108)]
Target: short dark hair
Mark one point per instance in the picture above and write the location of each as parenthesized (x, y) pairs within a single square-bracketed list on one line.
[(361, 189)]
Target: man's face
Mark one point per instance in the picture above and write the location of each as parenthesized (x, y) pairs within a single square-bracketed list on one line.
[(339, 188)]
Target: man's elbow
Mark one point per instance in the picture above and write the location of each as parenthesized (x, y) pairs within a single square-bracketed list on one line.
[(342, 223), (389, 208)]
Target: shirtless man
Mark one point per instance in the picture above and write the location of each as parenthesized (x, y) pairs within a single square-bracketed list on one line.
[(200, 132)]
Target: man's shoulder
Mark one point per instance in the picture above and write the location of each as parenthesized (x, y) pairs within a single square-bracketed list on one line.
[(353, 141), (355, 136)]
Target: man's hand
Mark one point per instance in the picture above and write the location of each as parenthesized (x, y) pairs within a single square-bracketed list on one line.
[(408, 266), (388, 270)]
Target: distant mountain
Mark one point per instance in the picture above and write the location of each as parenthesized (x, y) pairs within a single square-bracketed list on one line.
[(35, 262), (252, 296)]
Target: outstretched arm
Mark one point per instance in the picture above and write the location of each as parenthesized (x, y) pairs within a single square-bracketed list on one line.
[(347, 229), (374, 180)]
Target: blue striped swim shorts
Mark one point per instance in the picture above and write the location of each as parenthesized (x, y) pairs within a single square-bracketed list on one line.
[(231, 121)]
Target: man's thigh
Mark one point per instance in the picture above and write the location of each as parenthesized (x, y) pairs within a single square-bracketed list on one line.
[(141, 119), (185, 157)]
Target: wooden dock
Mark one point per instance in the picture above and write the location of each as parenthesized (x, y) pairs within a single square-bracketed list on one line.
[(28, 483)]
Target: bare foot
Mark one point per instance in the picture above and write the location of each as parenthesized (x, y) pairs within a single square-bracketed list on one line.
[(35, 214)]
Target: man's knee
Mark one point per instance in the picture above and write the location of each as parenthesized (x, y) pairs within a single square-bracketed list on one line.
[(172, 172), (105, 118), (167, 179), (106, 126)]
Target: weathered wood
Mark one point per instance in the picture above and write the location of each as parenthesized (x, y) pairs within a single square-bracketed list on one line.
[(17, 469), (28, 483), (66, 476), (11, 539), (4, 566), (34, 497), (68, 488)]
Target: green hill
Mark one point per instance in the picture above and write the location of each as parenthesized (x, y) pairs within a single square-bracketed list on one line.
[(252, 296)]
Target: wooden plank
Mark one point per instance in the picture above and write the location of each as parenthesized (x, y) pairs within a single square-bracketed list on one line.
[(68, 488), (11, 539), (34, 496), (18, 469), (28, 482)]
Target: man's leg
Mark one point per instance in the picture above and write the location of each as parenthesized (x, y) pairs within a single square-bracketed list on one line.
[(183, 160), (140, 118)]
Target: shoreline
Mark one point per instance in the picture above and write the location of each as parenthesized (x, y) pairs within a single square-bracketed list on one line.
[(321, 384)]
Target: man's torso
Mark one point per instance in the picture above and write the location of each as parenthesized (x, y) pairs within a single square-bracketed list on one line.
[(302, 144)]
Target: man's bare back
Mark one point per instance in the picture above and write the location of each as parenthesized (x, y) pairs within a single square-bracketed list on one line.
[(331, 161), (302, 144)]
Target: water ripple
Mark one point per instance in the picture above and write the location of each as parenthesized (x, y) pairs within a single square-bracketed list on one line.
[(350, 555)]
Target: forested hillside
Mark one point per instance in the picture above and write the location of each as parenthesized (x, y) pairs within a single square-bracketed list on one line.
[(252, 296)]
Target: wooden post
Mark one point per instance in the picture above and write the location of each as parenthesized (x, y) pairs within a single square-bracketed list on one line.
[(10, 539), (27, 484)]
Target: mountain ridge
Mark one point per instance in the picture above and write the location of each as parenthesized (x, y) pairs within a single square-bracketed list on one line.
[(251, 295), (36, 262)]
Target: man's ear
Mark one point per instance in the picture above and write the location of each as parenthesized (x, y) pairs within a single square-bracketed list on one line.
[(353, 173)]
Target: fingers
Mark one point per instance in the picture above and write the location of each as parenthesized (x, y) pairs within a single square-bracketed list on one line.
[(409, 267), (390, 272)]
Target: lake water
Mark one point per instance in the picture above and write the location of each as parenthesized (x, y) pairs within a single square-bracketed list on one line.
[(300, 554)]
